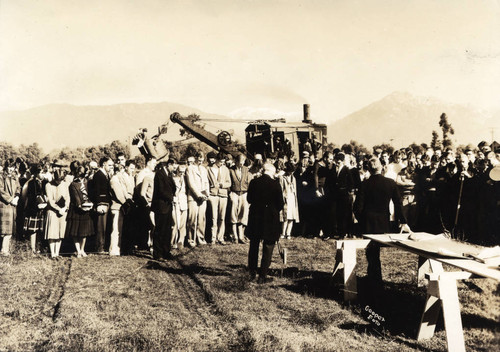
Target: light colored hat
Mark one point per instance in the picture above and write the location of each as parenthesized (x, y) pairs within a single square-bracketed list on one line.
[(495, 173)]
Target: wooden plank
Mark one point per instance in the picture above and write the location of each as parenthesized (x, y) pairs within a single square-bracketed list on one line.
[(360, 244), (451, 312), (345, 267), (431, 312), (350, 279), (470, 265), (427, 266)]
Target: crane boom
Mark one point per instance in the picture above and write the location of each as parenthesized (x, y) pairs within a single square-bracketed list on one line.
[(221, 142)]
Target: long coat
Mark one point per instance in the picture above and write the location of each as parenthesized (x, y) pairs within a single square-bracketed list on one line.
[(9, 189), (79, 222), (289, 189), (372, 204), (266, 201)]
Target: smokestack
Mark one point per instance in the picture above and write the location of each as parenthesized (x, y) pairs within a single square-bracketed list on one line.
[(307, 119)]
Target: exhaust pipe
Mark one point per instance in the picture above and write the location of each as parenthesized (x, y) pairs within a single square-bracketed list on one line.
[(307, 119)]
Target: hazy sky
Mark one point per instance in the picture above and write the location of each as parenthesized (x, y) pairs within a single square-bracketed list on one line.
[(221, 56)]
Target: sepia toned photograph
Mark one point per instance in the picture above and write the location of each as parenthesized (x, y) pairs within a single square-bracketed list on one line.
[(249, 175)]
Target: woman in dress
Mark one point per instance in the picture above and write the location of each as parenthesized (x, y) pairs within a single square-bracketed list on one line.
[(57, 194), (9, 197), (35, 207), (290, 212), (79, 223)]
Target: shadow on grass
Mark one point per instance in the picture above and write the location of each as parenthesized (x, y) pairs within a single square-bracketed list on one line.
[(369, 329), (399, 305), (312, 283), (476, 321), (185, 269)]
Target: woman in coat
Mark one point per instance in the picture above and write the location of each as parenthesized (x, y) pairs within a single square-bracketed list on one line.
[(58, 201), (290, 212), (34, 212), (9, 197), (79, 223)]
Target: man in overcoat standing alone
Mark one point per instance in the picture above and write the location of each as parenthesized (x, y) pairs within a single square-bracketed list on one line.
[(266, 201)]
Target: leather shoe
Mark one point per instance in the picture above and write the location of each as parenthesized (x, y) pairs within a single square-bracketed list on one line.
[(265, 280), (168, 256), (252, 276)]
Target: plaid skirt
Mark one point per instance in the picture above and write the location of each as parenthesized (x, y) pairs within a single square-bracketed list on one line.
[(34, 223), (7, 219)]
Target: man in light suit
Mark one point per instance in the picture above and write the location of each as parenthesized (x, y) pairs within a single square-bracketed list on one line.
[(163, 196), (240, 179), (220, 182), (180, 208), (143, 196), (119, 197), (198, 191)]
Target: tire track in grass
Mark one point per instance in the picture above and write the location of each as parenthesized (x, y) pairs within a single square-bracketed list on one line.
[(49, 311), (50, 307), (193, 295), (198, 298), (63, 278)]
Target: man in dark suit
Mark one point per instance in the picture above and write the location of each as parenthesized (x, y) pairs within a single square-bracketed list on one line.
[(343, 194), (266, 201), (304, 174), (324, 179), (100, 192), (163, 195), (372, 210)]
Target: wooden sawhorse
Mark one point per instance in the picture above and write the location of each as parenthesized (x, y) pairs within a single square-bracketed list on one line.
[(441, 291)]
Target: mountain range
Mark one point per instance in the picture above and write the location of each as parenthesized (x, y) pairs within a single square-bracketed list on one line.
[(399, 118)]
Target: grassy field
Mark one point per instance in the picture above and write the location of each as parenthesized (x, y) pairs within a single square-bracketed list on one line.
[(202, 301)]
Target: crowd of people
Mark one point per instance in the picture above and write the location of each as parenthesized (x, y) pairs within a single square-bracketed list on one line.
[(172, 204), (440, 191)]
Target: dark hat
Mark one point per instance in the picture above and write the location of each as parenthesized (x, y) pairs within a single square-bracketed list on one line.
[(60, 163), (482, 144), (469, 148), (211, 155)]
